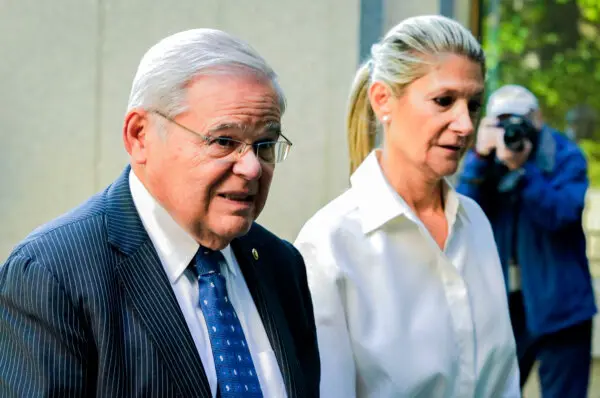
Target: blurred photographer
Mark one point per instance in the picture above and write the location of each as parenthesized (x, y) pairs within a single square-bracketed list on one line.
[(531, 182)]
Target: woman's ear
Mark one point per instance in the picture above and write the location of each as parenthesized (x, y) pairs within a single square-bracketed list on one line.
[(380, 97)]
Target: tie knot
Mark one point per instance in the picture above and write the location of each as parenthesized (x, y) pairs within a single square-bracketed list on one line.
[(208, 261)]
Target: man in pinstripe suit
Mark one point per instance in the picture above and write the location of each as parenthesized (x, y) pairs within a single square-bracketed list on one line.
[(127, 295)]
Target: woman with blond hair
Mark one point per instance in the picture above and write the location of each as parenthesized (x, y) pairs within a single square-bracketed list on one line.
[(408, 292)]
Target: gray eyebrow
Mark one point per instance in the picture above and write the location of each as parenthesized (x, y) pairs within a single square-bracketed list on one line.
[(227, 126), (269, 128)]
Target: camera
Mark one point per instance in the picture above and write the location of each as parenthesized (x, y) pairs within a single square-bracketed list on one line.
[(517, 129)]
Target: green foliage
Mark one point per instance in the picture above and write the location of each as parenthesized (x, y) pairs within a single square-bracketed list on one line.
[(591, 149), (551, 47)]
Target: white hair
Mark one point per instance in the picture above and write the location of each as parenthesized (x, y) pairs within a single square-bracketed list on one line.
[(171, 64)]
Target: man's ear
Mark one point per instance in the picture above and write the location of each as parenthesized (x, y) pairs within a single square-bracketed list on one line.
[(380, 97), (135, 133)]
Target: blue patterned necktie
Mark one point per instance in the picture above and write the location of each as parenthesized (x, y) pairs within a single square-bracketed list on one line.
[(236, 375)]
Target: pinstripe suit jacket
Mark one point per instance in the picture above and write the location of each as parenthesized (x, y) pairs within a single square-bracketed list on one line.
[(86, 309)]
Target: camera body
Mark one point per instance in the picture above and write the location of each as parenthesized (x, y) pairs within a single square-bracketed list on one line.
[(517, 129)]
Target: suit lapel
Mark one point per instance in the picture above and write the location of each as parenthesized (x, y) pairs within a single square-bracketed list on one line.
[(147, 286), (262, 289)]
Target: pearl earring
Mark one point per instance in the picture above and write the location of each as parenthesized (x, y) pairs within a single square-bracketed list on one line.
[(385, 118)]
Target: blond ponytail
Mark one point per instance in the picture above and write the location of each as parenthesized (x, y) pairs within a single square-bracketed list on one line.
[(361, 119)]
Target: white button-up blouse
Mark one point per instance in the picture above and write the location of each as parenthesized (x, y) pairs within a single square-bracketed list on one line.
[(396, 315)]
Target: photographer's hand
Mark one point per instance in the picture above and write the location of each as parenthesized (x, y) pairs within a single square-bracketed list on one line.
[(511, 159), (487, 136)]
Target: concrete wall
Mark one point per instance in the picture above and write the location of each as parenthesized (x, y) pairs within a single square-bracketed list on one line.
[(49, 76), (66, 74), (396, 11)]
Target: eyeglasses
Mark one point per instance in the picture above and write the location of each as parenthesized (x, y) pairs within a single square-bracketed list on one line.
[(221, 147)]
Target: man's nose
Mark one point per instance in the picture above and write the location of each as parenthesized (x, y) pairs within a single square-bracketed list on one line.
[(247, 164)]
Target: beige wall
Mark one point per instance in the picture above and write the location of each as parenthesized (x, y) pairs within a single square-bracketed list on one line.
[(66, 72), (48, 108), (396, 10), (462, 11)]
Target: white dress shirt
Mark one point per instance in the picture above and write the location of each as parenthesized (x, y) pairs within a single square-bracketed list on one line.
[(396, 315), (176, 249)]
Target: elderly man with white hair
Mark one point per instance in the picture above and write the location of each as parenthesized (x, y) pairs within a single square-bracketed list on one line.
[(163, 285), (531, 182)]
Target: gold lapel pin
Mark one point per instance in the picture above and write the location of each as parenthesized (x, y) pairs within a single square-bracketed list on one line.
[(255, 254)]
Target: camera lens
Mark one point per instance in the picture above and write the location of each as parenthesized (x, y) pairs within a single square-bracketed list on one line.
[(514, 138), (516, 130)]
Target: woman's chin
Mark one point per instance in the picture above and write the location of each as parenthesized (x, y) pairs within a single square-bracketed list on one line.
[(446, 168)]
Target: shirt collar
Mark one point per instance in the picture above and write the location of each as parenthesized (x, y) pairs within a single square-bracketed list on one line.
[(174, 246), (546, 151), (230, 259), (454, 207), (379, 202)]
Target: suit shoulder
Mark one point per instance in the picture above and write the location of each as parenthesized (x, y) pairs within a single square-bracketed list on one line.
[(269, 239), (69, 237)]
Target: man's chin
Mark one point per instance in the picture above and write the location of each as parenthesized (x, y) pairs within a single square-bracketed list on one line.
[(234, 226)]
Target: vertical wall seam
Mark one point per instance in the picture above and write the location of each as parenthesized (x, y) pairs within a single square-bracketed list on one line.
[(371, 26), (447, 8), (371, 31)]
